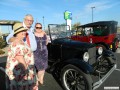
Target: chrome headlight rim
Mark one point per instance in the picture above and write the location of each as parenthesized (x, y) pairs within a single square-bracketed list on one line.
[(86, 56), (100, 50)]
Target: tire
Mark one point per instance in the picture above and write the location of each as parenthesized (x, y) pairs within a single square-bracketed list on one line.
[(4, 80), (103, 65), (72, 78), (115, 45)]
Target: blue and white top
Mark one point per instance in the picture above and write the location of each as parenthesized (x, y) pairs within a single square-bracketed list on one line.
[(32, 39)]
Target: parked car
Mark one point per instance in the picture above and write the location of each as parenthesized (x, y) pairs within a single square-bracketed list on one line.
[(101, 33), (77, 65), (7, 27)]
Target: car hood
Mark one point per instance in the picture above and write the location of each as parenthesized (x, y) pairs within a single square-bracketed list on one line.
[(72, 43)]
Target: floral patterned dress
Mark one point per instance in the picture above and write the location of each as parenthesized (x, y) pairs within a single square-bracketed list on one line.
[(15, 72)]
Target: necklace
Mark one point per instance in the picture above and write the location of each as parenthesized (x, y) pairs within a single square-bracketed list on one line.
[(39, 34)]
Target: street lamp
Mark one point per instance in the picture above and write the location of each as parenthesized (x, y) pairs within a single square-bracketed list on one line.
[(43, 23), (92, 12)]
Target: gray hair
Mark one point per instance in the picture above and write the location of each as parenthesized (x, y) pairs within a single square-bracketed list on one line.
[(28, 15)]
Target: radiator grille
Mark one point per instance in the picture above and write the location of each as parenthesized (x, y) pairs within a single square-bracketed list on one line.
[(92, 53)]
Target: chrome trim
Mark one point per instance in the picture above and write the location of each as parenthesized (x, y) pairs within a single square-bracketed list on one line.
[(98, 83)]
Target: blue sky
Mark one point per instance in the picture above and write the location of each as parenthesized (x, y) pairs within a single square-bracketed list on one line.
[(53, 10)]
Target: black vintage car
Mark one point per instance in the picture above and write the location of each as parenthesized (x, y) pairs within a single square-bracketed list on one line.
[(77, 65)]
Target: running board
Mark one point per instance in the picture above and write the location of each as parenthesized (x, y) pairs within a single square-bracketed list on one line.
[(98, 83)]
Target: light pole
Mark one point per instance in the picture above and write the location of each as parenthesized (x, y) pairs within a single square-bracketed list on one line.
[(92, 12), (43, 23)]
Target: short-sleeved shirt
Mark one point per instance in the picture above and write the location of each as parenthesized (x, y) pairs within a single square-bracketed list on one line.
[(12, 68)]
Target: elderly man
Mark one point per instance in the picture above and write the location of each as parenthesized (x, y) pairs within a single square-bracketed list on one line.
[(30, 38)]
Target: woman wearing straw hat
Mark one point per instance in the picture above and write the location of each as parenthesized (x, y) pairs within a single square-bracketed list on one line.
[(20, 62)]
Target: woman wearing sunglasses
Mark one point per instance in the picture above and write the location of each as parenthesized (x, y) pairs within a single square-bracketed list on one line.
[(41, 53)]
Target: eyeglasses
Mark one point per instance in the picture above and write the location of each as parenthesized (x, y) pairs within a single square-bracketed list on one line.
[(29, 20), (38, 27)]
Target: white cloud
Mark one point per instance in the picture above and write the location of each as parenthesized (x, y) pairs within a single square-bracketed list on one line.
[(99, 6), (15, 3)]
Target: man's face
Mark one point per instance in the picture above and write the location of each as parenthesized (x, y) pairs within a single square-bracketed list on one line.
[(28, 21)]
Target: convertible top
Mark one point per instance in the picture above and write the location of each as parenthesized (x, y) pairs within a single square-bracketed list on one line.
[(8, 22), (99, 23)]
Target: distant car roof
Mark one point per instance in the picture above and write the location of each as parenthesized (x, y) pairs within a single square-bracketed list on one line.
[(99, 23), (8, 22)]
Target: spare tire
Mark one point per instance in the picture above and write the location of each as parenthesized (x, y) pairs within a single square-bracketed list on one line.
[(115, 44)]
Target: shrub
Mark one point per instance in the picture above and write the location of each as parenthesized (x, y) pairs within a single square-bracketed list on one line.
[(2, 43), (1, 51)]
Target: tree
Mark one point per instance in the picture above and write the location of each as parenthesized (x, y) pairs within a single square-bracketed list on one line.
[(74, 26), (2, 45)]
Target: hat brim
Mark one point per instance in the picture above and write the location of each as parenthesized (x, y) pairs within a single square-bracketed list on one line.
[(20, 30)]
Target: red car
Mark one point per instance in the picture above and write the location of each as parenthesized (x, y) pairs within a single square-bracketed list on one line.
[(102, 33)]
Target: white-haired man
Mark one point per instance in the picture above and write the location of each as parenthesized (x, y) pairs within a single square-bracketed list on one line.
[(30, 38)]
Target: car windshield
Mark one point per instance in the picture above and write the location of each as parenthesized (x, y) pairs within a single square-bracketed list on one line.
[(59, 31)]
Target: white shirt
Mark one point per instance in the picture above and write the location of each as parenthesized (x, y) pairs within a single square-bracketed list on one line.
[(33, 43)]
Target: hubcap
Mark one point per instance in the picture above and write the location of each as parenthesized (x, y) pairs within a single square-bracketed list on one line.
[(74, 81)]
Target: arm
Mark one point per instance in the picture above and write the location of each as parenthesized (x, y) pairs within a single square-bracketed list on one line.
[(16, 55), (9, 38), (46, 39), (21, 60), (19, 53)]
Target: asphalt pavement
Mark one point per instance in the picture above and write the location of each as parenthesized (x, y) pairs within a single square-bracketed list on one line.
[(114, 79), (51, 84)]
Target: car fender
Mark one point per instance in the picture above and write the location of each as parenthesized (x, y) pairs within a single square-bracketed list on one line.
[(84, 66), (109, 53), (104, 44)]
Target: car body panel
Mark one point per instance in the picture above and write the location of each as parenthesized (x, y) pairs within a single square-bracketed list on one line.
[(101, 32)]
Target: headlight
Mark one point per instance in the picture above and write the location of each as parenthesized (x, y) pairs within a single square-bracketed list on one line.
[(100, 50), (86, 56)]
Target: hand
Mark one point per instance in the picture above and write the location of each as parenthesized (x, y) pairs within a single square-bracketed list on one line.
[(25, 74), (31, 76), (26, 77), (35, 87), (11, 39)]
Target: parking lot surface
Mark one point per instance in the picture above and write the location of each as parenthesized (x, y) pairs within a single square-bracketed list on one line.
[(51, 84)]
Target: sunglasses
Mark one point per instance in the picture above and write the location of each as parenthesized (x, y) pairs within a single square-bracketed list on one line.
[(38, 27)]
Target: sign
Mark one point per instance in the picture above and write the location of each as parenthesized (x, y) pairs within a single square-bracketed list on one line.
[(67, 15)]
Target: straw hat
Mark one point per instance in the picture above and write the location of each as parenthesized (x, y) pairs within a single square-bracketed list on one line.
[(18, 27)]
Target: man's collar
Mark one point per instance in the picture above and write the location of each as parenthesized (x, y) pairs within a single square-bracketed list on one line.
[(24, 25)]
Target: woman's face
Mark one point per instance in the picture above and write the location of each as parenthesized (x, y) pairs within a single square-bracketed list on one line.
[(38, 28), (21, 34)]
